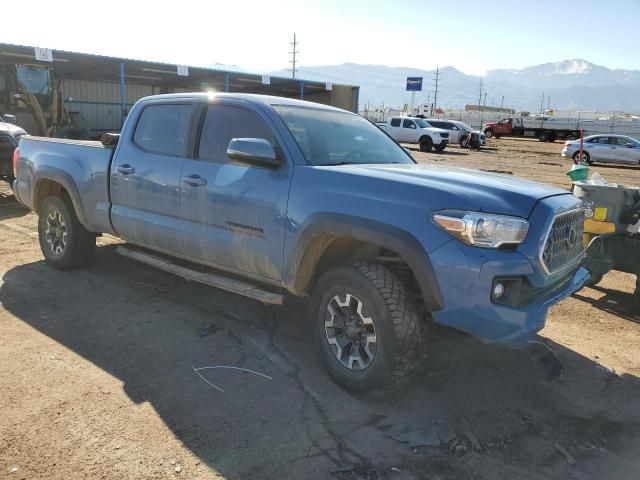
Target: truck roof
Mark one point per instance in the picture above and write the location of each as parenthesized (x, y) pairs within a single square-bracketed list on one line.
[(247, 97)]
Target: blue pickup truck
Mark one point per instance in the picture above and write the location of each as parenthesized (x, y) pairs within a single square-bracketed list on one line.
[(268, 196)]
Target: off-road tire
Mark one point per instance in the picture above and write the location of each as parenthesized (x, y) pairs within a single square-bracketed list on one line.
[(80, 243), (399, 330), (426, 144)]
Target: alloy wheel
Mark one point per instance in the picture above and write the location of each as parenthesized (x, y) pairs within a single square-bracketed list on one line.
[(56, 232), (350, 332)]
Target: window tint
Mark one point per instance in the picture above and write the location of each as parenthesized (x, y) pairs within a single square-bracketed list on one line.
[(395, 122), (222, 124), (601, 140), (164, 129), (408, 124), (436, 124)]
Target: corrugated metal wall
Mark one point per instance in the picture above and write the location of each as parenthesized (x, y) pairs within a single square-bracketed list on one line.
[(99, 101)]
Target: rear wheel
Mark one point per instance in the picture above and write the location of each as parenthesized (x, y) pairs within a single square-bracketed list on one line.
[(366, 330), (543, 137), (64, 241), (426, 144), (584, 159)]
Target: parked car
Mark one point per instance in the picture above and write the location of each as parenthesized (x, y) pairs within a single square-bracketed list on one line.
[(605, 149), (458, 131), (9, 138), (275, 196), (416, 130)]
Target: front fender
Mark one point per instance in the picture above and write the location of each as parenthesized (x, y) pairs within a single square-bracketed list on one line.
[(299, 269)]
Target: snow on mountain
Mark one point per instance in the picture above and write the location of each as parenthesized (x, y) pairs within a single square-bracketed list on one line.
[(571, 83)]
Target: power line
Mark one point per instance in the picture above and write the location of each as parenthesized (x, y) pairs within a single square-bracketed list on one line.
[(294, 52), (435, 94)]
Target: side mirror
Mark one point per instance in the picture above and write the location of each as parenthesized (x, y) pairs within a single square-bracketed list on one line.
[(254, 151), (8, 118)]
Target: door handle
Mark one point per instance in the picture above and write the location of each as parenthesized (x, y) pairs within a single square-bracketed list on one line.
[(194, 180), (125, 169)]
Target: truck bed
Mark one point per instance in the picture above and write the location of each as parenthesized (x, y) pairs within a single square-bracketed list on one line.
[(81, 166)]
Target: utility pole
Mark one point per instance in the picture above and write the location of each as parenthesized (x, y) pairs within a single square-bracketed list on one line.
[(480, 95), (548, 103), (502, 105), (294, 52), (435, 94), (542, 104)]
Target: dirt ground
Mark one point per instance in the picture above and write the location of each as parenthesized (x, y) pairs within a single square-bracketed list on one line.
[(98, 379)]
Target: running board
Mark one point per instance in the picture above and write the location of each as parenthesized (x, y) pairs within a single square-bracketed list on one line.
[(211, 279)]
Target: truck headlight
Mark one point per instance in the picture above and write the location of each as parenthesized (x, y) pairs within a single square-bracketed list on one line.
[(484, 230)]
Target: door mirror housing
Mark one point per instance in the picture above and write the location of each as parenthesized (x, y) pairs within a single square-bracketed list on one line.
[(8, 118), (254, 151)]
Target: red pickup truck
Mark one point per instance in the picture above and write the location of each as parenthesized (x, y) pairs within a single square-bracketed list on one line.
[(545, 130)]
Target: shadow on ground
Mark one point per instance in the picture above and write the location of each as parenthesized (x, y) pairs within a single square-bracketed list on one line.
[(150, 329), (9, 207)]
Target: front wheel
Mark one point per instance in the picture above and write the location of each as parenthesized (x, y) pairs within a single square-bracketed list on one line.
[(488, 133), (366, 330), (64, 241), (426, 144)]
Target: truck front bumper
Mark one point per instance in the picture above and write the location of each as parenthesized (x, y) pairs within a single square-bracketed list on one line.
[(466, 277)]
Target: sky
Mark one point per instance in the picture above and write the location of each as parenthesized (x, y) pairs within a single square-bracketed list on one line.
[(473, 36)]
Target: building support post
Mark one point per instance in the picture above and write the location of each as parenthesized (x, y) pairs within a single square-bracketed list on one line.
[(123, 95), (301, 90)]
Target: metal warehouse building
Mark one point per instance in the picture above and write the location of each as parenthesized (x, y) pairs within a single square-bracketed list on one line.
[(100, 90)]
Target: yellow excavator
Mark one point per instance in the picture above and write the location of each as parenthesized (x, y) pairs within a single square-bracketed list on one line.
[(33, 95)]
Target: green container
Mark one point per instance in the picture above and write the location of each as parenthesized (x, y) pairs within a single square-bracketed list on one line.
[(578, 172)]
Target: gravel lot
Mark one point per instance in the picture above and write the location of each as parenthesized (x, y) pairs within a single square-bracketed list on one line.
[(97, 377)]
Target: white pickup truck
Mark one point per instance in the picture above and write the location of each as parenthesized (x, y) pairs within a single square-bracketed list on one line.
[(416, 130)]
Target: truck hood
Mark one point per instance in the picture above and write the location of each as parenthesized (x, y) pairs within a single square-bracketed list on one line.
[(461, 188)]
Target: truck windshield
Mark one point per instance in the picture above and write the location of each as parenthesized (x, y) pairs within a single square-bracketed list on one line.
[(328, 137)]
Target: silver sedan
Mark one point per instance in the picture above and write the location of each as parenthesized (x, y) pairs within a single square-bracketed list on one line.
[(605, 149)]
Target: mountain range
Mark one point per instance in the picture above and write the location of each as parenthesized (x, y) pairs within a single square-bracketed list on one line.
[(570, 84)]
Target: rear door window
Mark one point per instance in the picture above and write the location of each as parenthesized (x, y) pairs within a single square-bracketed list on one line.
[(164, 129), (224, 123), (395, 122)]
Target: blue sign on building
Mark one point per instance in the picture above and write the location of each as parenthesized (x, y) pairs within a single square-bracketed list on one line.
[(414, 84)]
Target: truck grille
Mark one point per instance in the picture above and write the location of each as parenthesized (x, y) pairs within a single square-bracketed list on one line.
[(564, 246)]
